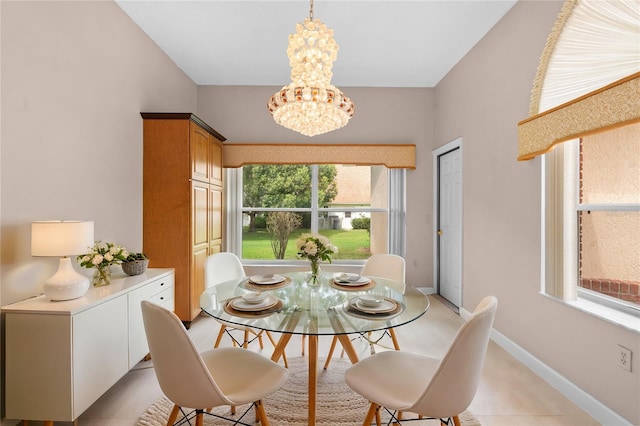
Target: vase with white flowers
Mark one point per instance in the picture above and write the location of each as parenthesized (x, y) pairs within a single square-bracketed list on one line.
[(101, 256), (316, 248)]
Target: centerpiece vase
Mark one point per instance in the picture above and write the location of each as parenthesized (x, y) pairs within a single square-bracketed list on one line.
[(101, 276), (314, 278)]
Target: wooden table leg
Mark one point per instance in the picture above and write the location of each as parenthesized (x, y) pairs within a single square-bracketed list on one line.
[(278, 351), (313, 377), (348, 347)]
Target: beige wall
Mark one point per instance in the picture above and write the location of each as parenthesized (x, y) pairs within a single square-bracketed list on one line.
[(481, 100), (76, 75)]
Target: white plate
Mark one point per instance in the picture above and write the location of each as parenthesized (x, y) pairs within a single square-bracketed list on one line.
[(241, 305), (351, 279), (266, 279), (385, 306)]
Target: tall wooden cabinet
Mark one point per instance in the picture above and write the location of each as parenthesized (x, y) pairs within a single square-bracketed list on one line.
[(182, 201)]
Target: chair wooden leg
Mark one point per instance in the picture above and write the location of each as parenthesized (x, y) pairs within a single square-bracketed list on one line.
[(233, 409), (330, 354), (373, 408), (378, 417), (394, 339), (199, 418), (220, 334), (261, 415), (174, 415), (456, 420), (304, 338), (245, 344), (260, 340)]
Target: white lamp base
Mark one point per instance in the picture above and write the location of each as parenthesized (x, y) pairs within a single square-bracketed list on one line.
[(66, 284)]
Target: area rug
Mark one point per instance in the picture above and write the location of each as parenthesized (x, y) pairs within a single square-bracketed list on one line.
[(337, 404)]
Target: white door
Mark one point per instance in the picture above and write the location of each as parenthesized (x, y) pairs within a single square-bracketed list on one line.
[(449, 220)]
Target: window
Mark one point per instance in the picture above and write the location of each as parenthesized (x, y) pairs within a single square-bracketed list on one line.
[(359, 208), (593, 214), (609, 214)]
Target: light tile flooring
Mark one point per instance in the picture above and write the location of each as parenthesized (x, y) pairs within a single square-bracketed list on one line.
[(509, 393)]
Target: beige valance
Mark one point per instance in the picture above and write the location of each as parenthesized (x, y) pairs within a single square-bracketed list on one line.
[(391, 156), (614, 105)]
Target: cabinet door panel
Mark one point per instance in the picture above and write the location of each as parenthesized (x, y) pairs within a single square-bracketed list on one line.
[(200, 151), (200, 214), (138, 346), (197, 279), (215, 161), (38, 350), (215, 207), (101, 353)]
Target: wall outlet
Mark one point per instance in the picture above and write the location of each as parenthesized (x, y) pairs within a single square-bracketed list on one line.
[(624, 358)]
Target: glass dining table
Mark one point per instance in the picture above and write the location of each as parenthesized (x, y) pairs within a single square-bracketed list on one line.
[(338, 305)]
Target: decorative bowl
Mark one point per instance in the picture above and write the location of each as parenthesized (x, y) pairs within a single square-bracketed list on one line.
[(371, 300), (135, 267), (254, 297)]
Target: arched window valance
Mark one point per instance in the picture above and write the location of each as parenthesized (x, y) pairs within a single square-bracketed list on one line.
[(391, 156), (587, 79), (615, 105)]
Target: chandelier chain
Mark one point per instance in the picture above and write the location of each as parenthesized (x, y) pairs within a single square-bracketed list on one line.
[(311, 10)]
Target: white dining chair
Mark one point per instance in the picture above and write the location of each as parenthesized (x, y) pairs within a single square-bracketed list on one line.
[(439, 388), (391, 267), (222, 267), (203, 381)]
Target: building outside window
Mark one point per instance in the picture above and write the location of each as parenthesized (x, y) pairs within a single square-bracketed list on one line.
[(608, 213)]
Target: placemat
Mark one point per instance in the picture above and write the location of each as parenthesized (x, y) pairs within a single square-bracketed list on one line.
[(254, 286), (371, 284), (352, 310), (228, 308)]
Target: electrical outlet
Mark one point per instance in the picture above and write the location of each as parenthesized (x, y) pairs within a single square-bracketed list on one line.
[(624, 358)]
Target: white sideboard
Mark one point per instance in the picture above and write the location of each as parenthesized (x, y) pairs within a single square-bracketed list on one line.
[(62, 356)]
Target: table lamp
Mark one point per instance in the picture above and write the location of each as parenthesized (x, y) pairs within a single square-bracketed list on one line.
[(63, 238)]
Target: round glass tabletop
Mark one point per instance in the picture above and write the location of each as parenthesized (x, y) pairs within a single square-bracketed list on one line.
[(334, 306)]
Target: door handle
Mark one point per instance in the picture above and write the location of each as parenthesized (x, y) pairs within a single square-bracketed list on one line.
[(439, 231)]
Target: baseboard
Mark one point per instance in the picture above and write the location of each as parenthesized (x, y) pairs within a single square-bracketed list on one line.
[(600, 412)]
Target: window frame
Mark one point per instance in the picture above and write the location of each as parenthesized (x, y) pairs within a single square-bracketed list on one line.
[(560, 248), (396, 214)]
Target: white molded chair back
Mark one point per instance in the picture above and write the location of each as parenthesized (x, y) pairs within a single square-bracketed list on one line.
[(221, 267), (390, 266), (455, 382), (182, 374)]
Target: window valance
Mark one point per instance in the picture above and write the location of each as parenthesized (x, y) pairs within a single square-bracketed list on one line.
[(391, 156), (587, 78), (615, 105)]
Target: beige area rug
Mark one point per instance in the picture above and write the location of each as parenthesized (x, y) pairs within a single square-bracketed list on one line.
[(337, 404)]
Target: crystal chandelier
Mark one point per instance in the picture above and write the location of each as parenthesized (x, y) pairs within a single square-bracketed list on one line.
[(310, 104)]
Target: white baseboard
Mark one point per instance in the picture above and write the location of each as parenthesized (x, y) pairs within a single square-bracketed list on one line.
[(603, 414)]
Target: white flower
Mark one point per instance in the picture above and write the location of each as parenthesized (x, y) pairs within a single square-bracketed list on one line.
[(311, 248), (97, 259), (109, 256)]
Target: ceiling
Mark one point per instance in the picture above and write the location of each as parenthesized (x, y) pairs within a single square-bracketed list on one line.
[(382, 43)]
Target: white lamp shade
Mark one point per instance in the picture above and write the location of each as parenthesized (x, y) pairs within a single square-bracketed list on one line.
[(61, 238)]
